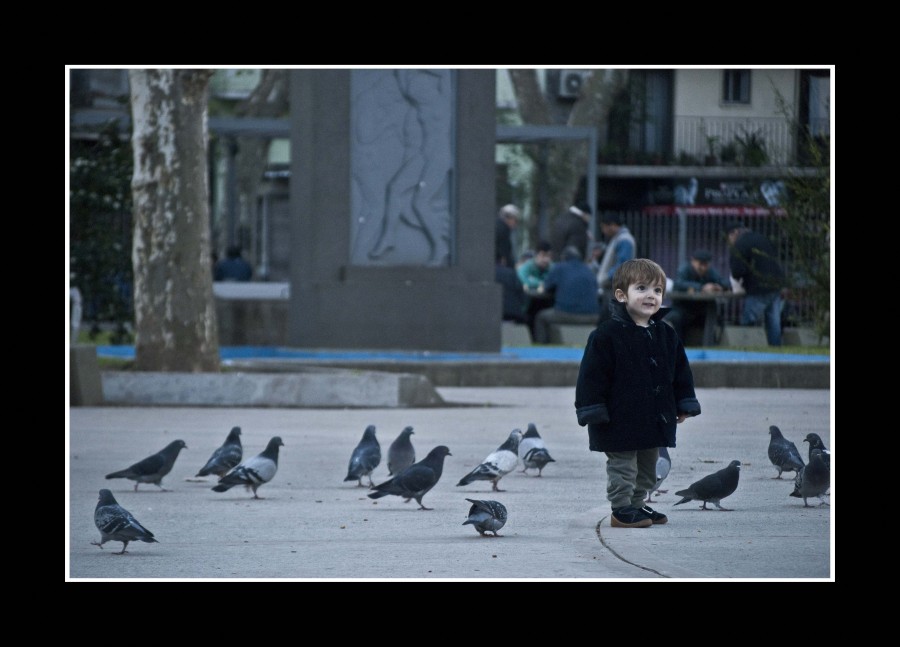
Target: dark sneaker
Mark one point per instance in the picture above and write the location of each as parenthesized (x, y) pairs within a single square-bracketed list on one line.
[(657, 518), (629, 517)]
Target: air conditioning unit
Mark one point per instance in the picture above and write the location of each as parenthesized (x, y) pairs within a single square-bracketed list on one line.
[(570, 83)]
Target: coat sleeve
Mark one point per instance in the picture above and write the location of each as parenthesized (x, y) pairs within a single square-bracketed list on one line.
[(683, 385), (594, 381)]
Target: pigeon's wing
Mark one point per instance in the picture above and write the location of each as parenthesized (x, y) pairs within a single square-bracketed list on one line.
[(415, 478), (709, 487), (116, 521), (494, 509), (257, 470), (484, 471), (148, 466), (503, 460)]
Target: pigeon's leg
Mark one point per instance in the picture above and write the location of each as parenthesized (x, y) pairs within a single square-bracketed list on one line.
[(721, 508), (662, 491), (496, 535), (805, 504), (779, 475), (703, 507), (540, 470), (422, 505), (407, 500), (649, 497), (97, 543), (135, 485), (496, 489), (124, 546), (161, 488), (371, 482), (823, 501), (359, 482)]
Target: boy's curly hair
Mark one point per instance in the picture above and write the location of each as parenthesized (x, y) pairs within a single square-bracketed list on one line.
[(638, 270)]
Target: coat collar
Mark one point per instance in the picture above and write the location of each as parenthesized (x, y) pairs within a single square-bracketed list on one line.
[(620, 314)]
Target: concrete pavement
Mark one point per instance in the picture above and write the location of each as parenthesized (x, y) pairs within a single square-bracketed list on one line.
[(312, 525)]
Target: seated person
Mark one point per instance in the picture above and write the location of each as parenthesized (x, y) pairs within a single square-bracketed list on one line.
[(514, 298), (574, 286), (233, 267), (533, 272), (695, 276)]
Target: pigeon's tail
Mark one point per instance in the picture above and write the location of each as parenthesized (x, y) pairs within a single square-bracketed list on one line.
[(687, 496), (223, 487), (465, 480), (377, 494), (467, 521), (350, 477), (149, 540), (203, 472), (796, 493), (123, 474)]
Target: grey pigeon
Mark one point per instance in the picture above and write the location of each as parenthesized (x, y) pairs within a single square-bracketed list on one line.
[(783, 453), (663, 465), (714, 487), (532, 450), (416, 480), (401, 453), (115, 523), (813, 480), (255, 472), (226, 456), (815, 442), (153, 468), (498, 463), (486, 516), (365, 457)]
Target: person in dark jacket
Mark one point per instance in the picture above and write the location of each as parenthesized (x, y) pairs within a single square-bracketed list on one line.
[(507, 221), (634, 386), (754, 263), (571, 229), (514, 299)]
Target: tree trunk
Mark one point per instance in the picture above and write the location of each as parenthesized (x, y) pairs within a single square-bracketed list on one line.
[(565, 161), (175, 317)]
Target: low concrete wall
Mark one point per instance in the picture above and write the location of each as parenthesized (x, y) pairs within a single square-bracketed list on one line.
[(774, 375), (308, 387)]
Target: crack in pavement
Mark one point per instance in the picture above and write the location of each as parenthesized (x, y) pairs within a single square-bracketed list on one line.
[(610, 549)]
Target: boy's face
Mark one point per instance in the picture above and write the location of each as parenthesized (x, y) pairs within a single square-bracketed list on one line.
[(642, 301)]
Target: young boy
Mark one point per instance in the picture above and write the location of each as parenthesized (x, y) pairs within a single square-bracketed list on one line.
[(634, 386)]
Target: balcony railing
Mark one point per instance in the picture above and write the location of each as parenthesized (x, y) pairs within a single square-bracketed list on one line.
[(741, 137)]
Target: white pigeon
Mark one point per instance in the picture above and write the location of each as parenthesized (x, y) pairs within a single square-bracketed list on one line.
[(498, 463), (663, 465), (255, 472), (532, 450)]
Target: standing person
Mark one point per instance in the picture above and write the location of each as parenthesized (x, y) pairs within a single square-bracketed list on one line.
[(571, 228), (507, 220), (574, 288), (693, 277), (233, 267), (634, 386), (620, 247), (754, 263)]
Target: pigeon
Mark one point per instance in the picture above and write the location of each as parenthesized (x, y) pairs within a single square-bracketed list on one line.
[(814, 479), (401, 453), (783, 453), (416, 480), (225, 457), (153, 468), (365, 457), (486, 516), (663, 465), (532, 450), (498, 463), (115, 523), (815, 442), (714, 487), (255, 472)]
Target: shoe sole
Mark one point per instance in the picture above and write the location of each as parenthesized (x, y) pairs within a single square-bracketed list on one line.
[(659, 522), (643, 523)]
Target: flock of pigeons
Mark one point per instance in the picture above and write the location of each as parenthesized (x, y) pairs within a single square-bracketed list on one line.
[(413, 480)]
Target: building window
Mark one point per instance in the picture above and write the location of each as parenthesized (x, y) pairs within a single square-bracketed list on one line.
[(736, 86)]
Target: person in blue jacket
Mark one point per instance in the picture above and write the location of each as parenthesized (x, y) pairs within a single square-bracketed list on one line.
[(634, 386)]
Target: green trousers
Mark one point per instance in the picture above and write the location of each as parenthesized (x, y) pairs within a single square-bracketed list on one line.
[(629, 476)]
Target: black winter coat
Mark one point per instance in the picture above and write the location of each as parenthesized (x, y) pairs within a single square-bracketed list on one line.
[(633, 383)]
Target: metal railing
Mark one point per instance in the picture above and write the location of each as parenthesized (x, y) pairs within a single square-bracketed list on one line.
[(668, 235), (693, 136)]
